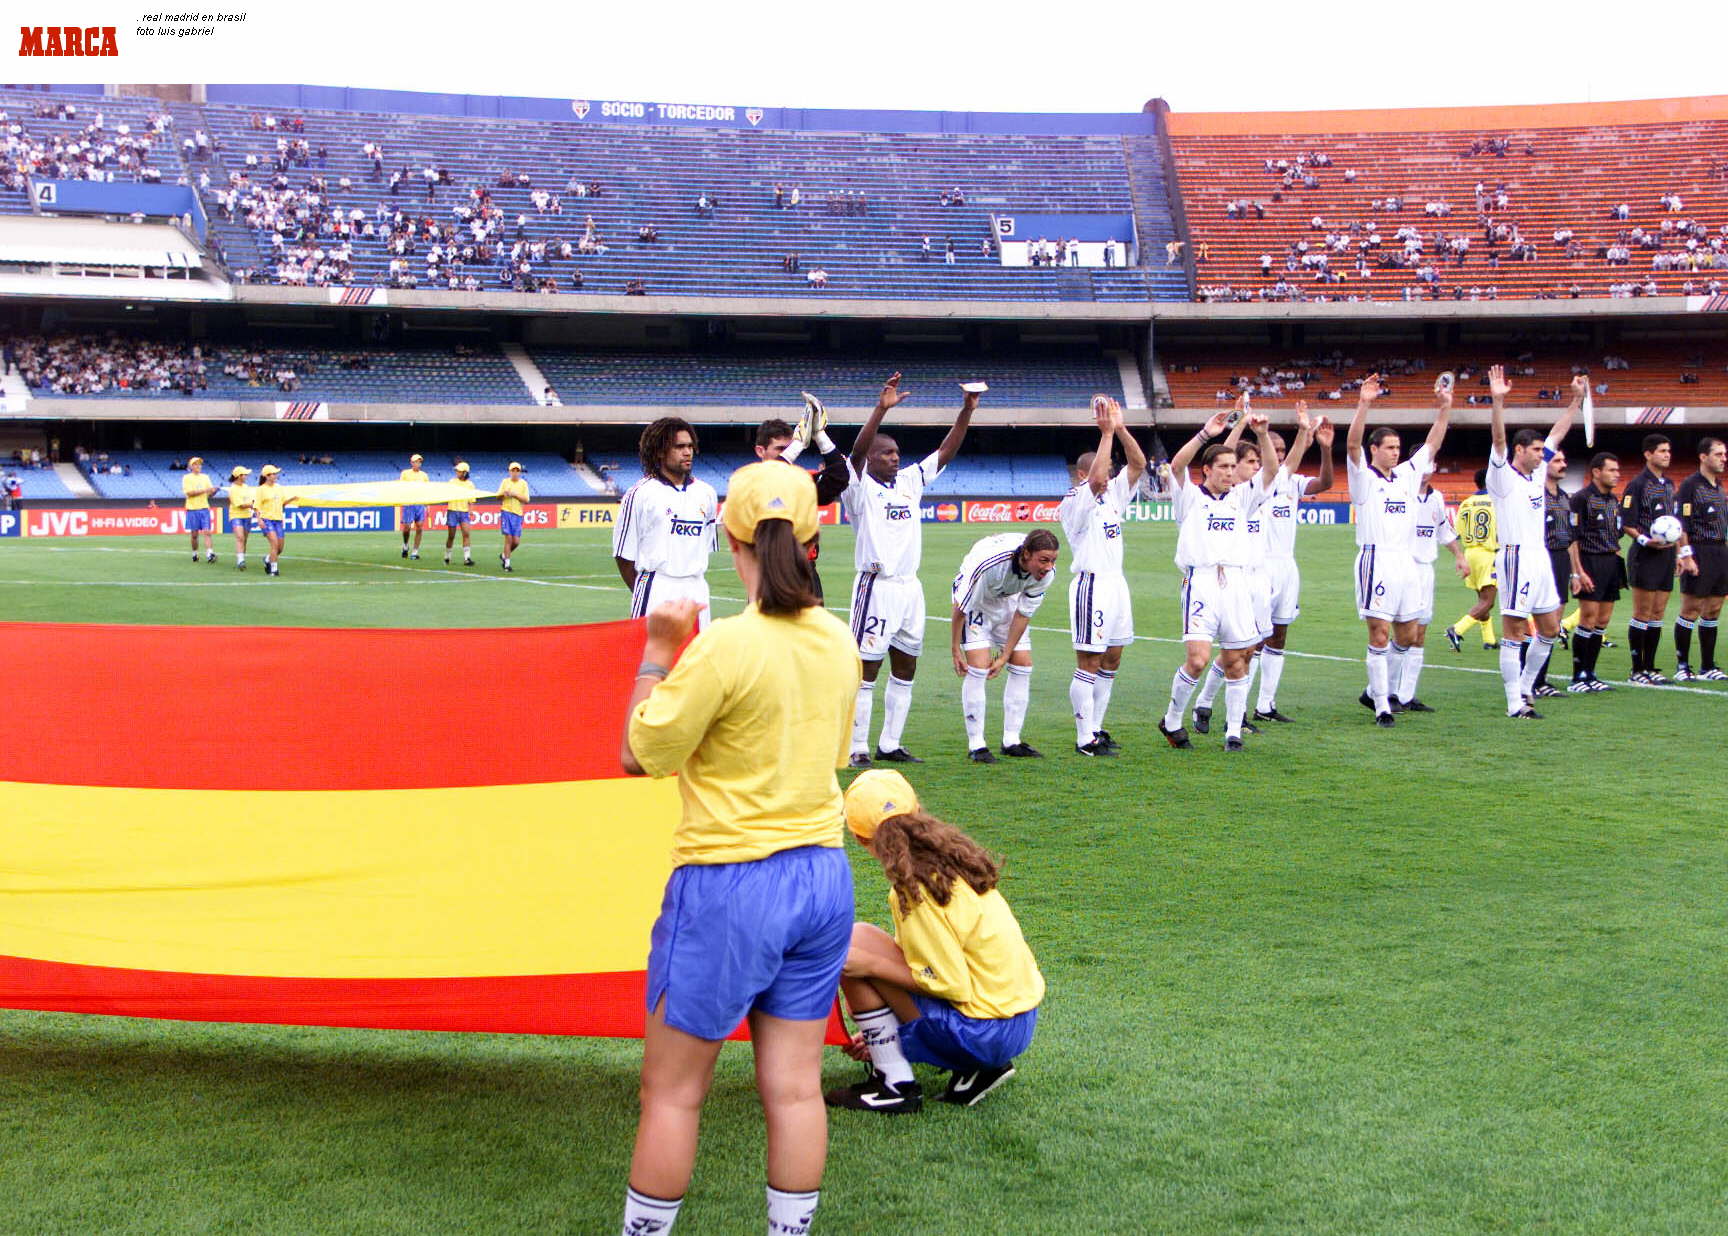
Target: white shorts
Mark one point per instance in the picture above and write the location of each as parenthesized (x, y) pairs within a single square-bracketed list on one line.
[(1286, 580), (1527, 584), (1385, 585), (1422, 592), (1260, 588), (1100, 611), (887, 612), (653, 587), (988, 629), (1218, 607)]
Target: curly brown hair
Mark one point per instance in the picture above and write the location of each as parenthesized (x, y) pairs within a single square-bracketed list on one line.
[(921, 854), (651, 449)]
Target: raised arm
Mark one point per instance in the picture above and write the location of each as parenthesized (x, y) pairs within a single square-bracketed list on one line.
[(1184, 456), (1442, 414), (892, 396), (951, 443), (1098, 476), (1262, 427), (1304, 437), (1365, 397), (1131, 449), (1563, 426), (1324, 432), (1498, 389)]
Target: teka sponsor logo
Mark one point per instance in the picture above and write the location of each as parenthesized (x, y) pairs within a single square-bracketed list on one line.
[(67, 41), (895, 513), (688, 527), (1220, 523)]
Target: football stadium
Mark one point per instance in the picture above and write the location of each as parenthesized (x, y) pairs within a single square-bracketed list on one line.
[(374, 468)]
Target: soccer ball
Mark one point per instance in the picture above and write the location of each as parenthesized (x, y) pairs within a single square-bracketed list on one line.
[(1665, 528)]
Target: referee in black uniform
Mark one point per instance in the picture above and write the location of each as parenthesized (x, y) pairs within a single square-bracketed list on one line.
[(1596, 571), (1557, 531), (1649, 562), (1703, 562)]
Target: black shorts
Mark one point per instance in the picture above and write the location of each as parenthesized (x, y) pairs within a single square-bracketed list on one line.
[(1607, 575), (1561, 562), (1650, 570), (1712, 577)]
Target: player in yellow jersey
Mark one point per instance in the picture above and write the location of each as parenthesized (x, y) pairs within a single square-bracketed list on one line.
[(955, 985), (414, 517), (757, 917), (1481, 542), (241, 503), (197, 487), (457, 515), (514, 491), (271, 501)]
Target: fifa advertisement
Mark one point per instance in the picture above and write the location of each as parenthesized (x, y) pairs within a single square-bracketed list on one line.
[(587, 514)]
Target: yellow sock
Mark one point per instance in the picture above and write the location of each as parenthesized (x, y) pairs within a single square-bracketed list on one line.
[(1570, 621), (1462, 626)]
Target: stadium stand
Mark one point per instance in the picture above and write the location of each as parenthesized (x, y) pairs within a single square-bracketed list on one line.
[(1536, 192), (35, 483), (75, 136), (150, 474)]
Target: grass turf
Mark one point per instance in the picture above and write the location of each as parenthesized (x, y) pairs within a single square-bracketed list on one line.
[(1460, 976)]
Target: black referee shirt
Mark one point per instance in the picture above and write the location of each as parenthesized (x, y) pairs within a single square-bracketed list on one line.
[(1596, 521), (1557, 518), (1703, 510), (1646, 498)]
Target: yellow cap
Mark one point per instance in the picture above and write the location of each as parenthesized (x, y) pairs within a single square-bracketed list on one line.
[(461, 467), (269, 470), (196, 459), (770, 490), (416, 459), (875, 796), (514, 466), (240, 470)]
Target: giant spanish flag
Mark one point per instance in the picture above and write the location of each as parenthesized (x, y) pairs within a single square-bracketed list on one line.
[(406, 829)]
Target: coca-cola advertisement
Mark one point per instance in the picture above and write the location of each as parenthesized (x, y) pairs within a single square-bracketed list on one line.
[(1013, 511)]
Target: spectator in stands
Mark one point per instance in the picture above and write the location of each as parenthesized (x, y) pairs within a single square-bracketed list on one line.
[(704, 208), (816, 278), (1172, 252), (635, 287), (1110, 252), (779, 198), (648, 233), (948, 253), (924, 250), (797, 196)]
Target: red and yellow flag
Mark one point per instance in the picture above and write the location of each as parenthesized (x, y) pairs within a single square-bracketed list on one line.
[(402, 829)]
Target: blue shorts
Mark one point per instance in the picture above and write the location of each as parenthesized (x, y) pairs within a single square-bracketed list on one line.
[(947, 1038), (197, 521), (238, 523), (457, 519), (509, 525), (413, 515), (272, 527), (736, 937)]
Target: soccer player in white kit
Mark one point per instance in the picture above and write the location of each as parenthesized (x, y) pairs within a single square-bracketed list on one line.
[(1260, 576), (1100, 611), (1433, 529), (1528, 592), (1384, 492), (664, 532), (1214, 549), (883, 502), (1000, 585)]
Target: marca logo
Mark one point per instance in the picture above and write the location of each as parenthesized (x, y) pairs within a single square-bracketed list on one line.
[(10, 524), (67, 41), (580, 107)]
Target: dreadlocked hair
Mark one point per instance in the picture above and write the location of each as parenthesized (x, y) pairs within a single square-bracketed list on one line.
[(657, 437), (921, 854)]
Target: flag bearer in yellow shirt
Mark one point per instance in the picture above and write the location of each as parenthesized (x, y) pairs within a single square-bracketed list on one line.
[(240, 507), (198, 487), (457, 515), (414, 516), (758, 912), (955, 985), (514, 492), (271, 499)]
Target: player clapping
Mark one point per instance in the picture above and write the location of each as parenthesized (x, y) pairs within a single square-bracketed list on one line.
[(1001, 584)]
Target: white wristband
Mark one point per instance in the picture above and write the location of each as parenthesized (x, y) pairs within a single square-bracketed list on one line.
[(1642, 539), (824, 443), (1685, 551)]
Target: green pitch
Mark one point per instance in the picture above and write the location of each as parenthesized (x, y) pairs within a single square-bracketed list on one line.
[(1460, 976)]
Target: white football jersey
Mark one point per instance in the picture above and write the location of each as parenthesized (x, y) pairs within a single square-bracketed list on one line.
[(1282, 510), (890, 538), (1214, 528), (1520, 502), (668, 528), (1433, 526), (989, 580), (1094, 524), (1386, 504)]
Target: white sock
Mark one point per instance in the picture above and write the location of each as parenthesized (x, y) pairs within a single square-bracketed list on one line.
[(1377, 690), (649, 1214), (973, 704), (789, 1214), (1235, 705), (1541, 648), (1181, 688), (1412, 673), (1271, 670), (506, 562), (1395, 668), (239, 557), (861, 717), (1209, 685), (1016, 697), (1080, 699), (1511, 675), (1101, 697), (896, 703), (881, 1031)]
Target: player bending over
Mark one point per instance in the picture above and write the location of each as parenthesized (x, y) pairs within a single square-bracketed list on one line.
[(513, 496), (955, 986), (1703, 563), (197, 487), (1475, 529), (1001, 584), (458, 516), (414, 517), (664, 535), (1598, 573)]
